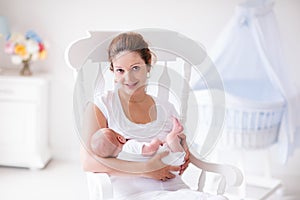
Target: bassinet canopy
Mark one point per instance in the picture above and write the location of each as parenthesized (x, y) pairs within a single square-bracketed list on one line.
[(249, 58)]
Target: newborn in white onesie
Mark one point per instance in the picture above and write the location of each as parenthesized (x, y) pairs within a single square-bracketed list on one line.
[(108, 143)]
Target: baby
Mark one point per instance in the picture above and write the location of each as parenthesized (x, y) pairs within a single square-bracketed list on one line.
[(107, 143)]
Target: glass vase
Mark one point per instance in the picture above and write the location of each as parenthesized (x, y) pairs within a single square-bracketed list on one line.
[(25, 71)]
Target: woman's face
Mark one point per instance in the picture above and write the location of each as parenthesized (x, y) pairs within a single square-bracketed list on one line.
[(130, 71)]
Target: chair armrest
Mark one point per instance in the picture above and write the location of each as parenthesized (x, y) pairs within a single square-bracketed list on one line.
[(99, 185), (231, 176)]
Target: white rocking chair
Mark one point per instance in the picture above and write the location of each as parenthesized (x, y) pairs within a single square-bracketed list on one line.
[(91, 51)]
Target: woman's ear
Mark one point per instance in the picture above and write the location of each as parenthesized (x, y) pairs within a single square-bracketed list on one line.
[(148, 68)]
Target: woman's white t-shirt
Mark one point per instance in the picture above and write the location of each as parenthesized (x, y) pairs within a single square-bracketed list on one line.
[(111, 107), (139, 188)]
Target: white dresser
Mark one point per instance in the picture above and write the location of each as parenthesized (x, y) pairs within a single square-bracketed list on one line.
[(24, 104)]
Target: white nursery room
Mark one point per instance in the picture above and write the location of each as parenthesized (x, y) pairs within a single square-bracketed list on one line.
[(222, 76)]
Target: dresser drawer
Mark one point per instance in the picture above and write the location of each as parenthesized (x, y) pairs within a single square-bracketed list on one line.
[(18, 91)]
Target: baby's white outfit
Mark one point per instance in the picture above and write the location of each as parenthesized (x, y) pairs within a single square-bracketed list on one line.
[(132, 150)]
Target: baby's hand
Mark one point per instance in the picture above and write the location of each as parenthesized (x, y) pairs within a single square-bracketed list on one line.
[(152, 147)]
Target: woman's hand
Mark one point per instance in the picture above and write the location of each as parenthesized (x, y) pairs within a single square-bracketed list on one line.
[(187, 153), (156, 169)]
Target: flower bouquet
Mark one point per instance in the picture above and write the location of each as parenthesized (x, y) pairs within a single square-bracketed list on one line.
[(24, 49)]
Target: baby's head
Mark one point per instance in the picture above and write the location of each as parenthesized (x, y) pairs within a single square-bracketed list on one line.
[(107, 143)]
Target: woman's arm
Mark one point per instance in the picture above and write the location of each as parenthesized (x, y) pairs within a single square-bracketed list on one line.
[(182, 136), (154, 168)]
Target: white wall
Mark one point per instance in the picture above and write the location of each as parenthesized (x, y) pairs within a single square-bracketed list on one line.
[(64, 21)]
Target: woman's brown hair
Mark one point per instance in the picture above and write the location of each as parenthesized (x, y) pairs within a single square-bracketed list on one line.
[(132, 42)]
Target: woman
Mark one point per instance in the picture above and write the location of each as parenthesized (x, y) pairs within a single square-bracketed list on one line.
[(130, 111)]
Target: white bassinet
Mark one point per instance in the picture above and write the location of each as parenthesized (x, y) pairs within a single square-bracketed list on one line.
[(248, 55), (252, 117), (261, 107)]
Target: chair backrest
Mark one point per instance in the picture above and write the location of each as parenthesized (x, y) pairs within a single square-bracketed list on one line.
[(181, 62)]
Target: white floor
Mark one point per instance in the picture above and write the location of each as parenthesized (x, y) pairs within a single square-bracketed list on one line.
[(58, 181), (62, 180)]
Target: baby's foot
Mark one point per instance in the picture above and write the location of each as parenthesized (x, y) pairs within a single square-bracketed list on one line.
[(177, 127), (172, 139)]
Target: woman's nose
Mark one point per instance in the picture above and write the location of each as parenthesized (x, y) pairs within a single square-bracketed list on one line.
[(129, 76)]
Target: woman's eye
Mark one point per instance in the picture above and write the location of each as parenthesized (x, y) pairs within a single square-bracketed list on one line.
[(119, 70), (135, 68)]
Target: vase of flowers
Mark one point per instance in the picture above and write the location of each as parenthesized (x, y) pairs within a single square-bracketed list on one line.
[(25, 49), (25, 71)]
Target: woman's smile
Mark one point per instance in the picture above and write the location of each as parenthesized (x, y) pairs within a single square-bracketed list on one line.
[(131, 85)]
